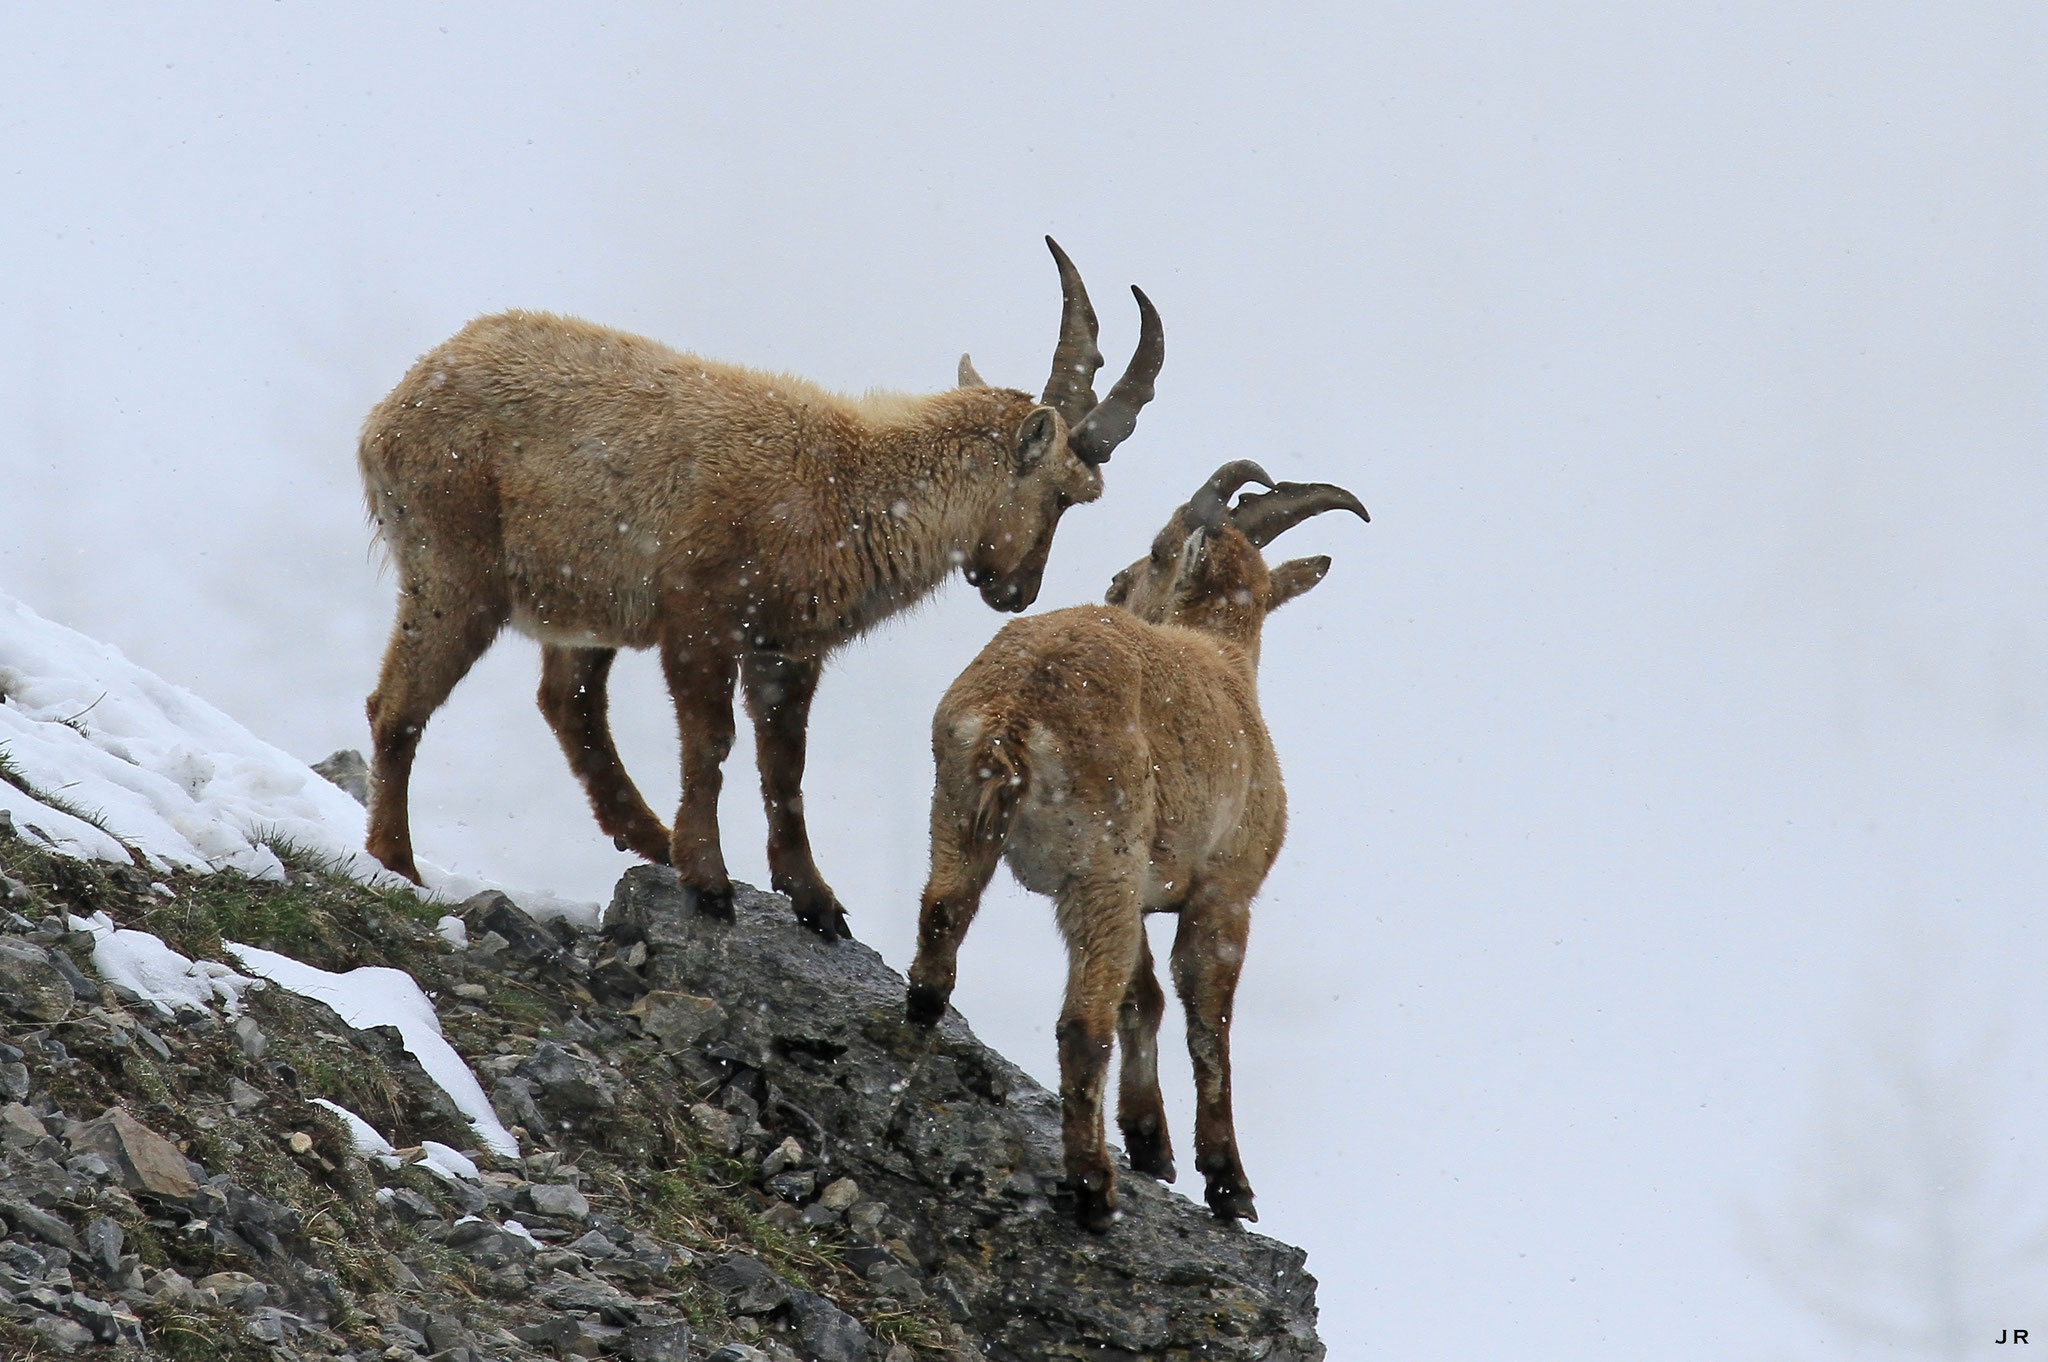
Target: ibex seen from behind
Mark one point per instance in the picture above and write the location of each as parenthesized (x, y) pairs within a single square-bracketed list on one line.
[(1117, 760), (597, 490)]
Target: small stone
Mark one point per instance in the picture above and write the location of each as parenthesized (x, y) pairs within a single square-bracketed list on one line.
[(678, 1020), (564, 1203), (793, 1186), (471, 993), (826, 1333), (30, 986), (300, 1143), (738, 1352), (659, 1343), (346, 770), (237, 1289), (14, 1080), (753, 1289), (20, 1127), (103, 1240), (444, 1332), (840, 1196), (63, 1334), (594, 1245), (788, 1154), (244, 1097), (724, 1129), (146, 1160), (249, 1038)]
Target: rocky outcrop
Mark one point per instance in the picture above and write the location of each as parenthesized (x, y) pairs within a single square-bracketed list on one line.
[(954, 1150), (734, 1150)]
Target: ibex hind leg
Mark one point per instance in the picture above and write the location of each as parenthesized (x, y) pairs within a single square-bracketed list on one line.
[(1208, 953), (778, 688), (573, 696), (1104, 930), (701, 685), (963, 862), (442, 629)]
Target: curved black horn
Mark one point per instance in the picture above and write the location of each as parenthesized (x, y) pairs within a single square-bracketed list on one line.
[(1265, 516), (1208, 508), (1070, 390), (1111, 423)]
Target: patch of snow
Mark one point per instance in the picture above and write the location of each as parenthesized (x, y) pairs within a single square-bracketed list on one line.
[(172, 778), (450, 1163), (377, 996), (143, 964), (454, 931), (363, 1135), (516, 1228)]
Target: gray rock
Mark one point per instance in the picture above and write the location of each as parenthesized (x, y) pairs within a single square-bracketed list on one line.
[(678, 1020), (659, 1343), (26, 1215), (564, 1203), (567, 1081), (104, 1239), (146, 1161), (348, 770), (592, 1244), (30, 986), (84, 987), (249, 1038), (494, 911), (63, 1334), (14, 1080), (936, 1129), (825, 1332), (748, 1284)]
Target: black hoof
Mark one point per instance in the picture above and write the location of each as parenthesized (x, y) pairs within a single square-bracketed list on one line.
[(924, 1006), (1149, 1154), (1094, 1207), (713, 903), (828, 923), (1231, 1201)]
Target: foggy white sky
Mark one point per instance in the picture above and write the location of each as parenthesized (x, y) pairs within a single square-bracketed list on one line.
[(1692, 367)]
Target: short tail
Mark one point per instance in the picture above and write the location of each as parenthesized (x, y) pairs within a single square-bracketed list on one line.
[(1004, 773)]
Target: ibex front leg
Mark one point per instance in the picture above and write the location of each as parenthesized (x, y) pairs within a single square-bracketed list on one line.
[(701, 684), (779, 687), (572, 696)]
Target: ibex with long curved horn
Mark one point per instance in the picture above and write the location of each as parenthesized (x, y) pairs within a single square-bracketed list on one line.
[(1117, 760), (597, 490)]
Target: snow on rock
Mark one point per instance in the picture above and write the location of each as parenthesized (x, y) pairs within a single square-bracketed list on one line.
[(449, 1163), (164, 773), (362, 1135), (141, 963), (378, 996)]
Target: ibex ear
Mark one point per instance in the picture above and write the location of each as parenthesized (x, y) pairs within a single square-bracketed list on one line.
[(1034, 438), (1293, 577), (969, 378)]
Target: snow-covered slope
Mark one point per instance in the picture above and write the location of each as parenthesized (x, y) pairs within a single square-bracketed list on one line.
[(158, 771)]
